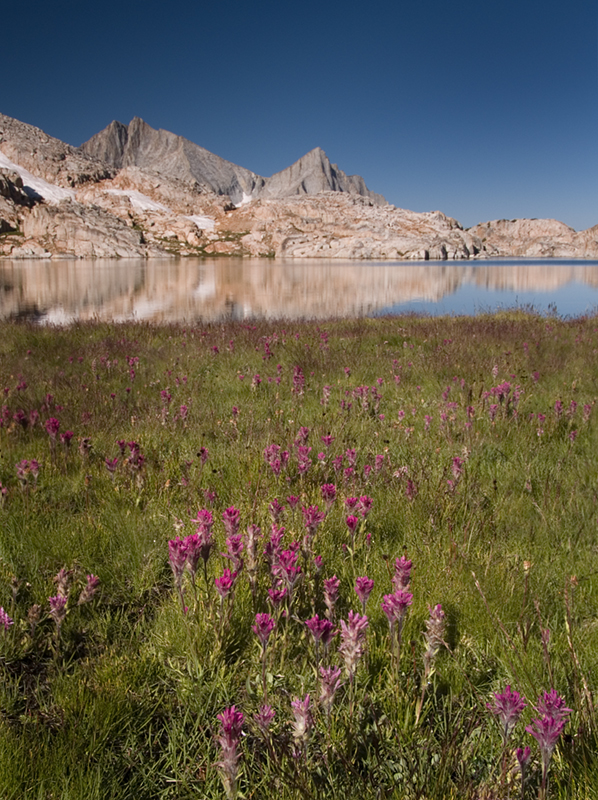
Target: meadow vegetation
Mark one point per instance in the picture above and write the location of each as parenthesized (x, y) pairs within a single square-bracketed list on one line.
[(354, 559)]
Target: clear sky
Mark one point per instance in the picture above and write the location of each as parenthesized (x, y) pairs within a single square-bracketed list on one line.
[(484, 109)]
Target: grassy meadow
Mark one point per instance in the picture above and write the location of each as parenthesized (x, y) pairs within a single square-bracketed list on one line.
[(466, 446)]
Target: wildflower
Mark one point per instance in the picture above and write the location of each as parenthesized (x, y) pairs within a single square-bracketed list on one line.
[(329, 684), (225, 583), (298, 381), (523, 756), (303, 459), (365, 505), (395, 607), (58, 609), (277, 595), (234, 549), (552, 705), (320, 629), (292, 500), (328, 439), (89, 590), (402, 576), (231, 517), (111, 465), (205, 542), (276, 511), (411, 490), (303, 721), (264, 718), (52, 427), (5, 620), (302, 436), (312, 517), (264, 625), (434, 637), (353, 634), (331, 587), (508, 706), (546, 732), (363, 589), (328, 493), (231, 725), (287, 569)]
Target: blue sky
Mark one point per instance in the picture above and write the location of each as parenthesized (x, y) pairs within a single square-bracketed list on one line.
[(481, 109)]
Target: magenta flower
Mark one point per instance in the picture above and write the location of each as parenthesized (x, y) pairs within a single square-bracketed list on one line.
[(231, 517), (546, 732), (353, 633), (234, 550), (312, 517), (363, 589), (225, 583), (89, 590), (293, 501), (331, 587), (58, 608), (329, 684), (402, 576), (111, 465), (204, 543), (231, 725), (65, 438), (328, 439), (553, 705), (276, 511), (320, 629), (276, 595), (303, 721), (395, 607), (352, 504), (352, 524), (52, 427), (287, 569), (328, 493), (5, 620), (365, 505), (264, 718), (264, 625), (177, 555), (508, 706)]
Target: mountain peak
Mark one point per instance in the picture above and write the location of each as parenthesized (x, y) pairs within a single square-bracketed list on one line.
[(138, 144)]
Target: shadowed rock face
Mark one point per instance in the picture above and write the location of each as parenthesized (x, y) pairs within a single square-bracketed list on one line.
[(176, 157)]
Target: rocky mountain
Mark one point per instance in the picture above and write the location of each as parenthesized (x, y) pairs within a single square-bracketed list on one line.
[(137, 144), (132, 191)]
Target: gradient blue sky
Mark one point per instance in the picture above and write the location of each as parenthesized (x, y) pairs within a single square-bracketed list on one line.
[(481, 109)]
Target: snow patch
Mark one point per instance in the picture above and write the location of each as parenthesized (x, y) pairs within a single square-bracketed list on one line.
[(203, 223), (49, 191), (140, 202), (247, 198)]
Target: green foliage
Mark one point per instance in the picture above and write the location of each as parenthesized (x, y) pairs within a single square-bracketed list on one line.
[(492, 497)]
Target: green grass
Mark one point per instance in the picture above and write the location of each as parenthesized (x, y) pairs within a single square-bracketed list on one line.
[(125, 703)]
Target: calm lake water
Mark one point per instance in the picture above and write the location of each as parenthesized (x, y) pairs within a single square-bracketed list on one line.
[(189, 290)]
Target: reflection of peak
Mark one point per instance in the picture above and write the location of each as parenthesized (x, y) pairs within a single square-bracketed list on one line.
[(138, 144)]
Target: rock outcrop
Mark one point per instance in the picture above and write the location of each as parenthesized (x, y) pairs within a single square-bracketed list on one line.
[(535, 238), (47, 157), (132, 191)]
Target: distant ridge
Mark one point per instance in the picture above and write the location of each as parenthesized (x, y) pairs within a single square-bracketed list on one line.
[(140, 145)]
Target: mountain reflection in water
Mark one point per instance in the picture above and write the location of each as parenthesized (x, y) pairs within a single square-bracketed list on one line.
[(216, 289)]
